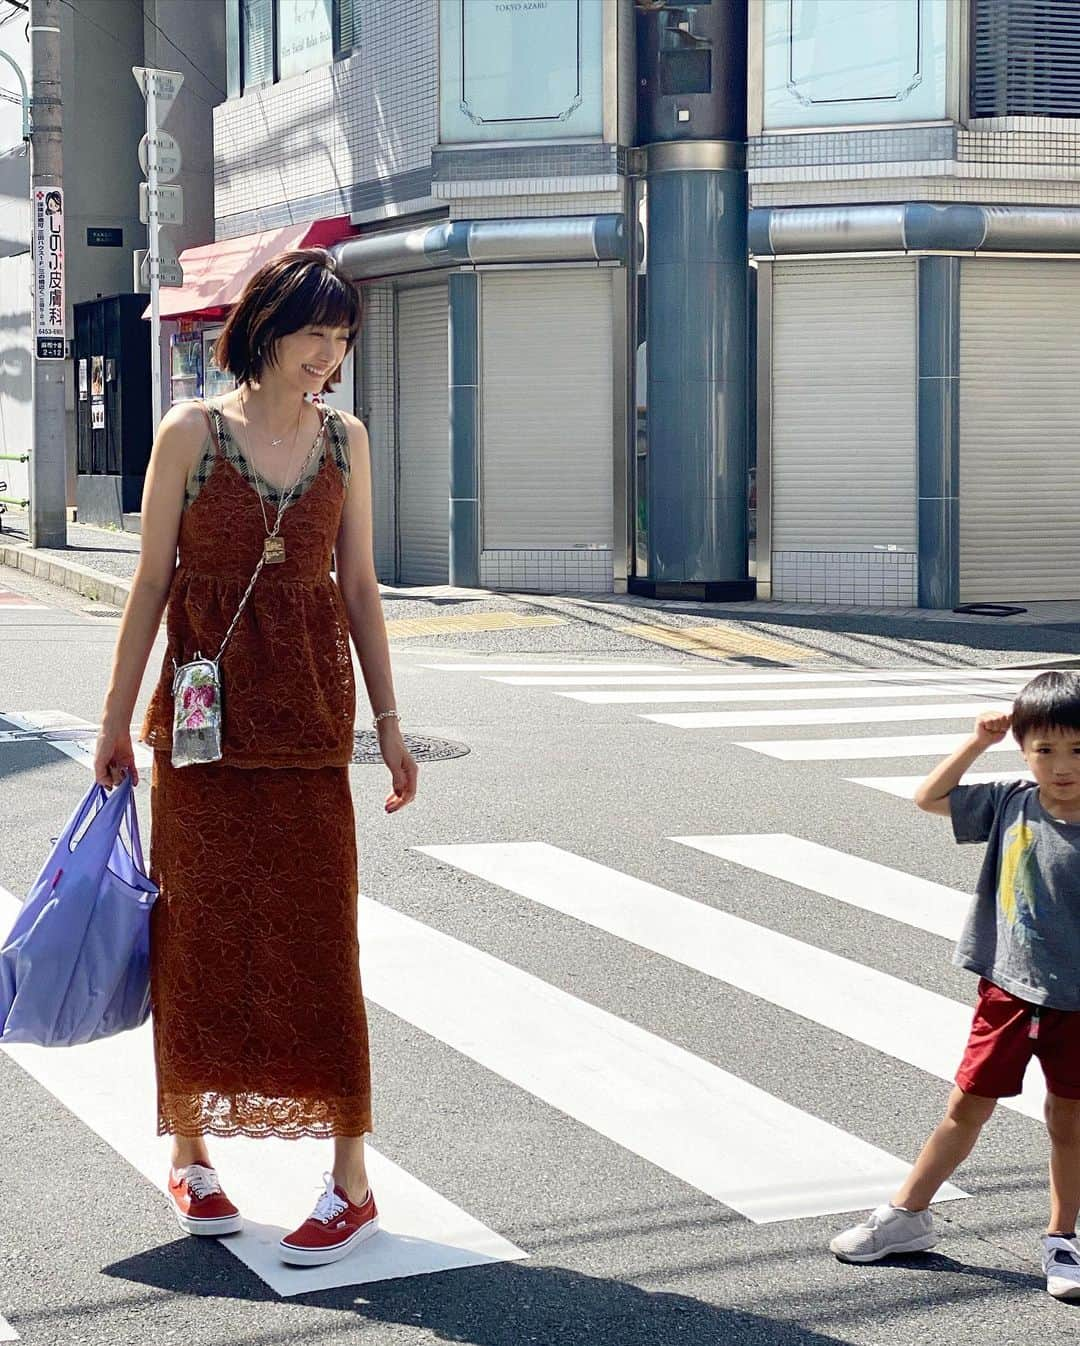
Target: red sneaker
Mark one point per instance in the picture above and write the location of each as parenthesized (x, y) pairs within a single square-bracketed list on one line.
[(334, 1227), (201, 1206)]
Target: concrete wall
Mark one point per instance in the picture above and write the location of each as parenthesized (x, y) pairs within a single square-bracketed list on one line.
[(102, 119), (16, 344), (171, 30), (14, 154)]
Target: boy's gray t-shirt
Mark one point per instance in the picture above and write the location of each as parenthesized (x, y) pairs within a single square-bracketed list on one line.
[(1023, 930)]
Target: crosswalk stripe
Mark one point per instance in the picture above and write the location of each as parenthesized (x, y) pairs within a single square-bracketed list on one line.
[(845, 749), (904, 1021), (482, 666), (750, 679), (421, 1233), (917, 902), (757, 1154), (747, 694), (904, 787), (758, 719), (55, 722), (7, 1332)]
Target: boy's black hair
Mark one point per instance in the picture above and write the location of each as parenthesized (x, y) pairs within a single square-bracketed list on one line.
[(1050, 701)]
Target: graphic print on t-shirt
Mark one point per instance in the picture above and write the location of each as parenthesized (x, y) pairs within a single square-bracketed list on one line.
[(1016, 886)]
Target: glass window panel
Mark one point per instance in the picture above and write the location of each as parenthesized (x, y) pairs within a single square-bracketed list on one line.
[(305, 35), (522, 70), (854, 62), (257, 42)]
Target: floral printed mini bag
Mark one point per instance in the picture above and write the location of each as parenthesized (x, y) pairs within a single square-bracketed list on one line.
[(198, 694)]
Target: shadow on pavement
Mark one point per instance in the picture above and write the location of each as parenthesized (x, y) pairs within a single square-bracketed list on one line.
[(501, 1305)]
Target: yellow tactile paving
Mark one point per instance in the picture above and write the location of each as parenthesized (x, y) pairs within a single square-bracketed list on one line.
[(476, 621), (720, 640)]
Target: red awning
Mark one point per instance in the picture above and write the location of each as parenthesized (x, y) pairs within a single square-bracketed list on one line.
[(215, 273)]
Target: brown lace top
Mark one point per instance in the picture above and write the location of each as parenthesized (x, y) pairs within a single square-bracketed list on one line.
[(289, 694)]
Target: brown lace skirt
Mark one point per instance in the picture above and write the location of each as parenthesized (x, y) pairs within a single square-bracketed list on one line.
[(259, 1023)]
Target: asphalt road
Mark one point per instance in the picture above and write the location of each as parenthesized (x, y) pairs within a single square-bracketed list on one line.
[(605, 1188)]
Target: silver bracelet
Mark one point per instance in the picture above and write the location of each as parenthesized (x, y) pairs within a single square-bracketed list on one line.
[(385, 715)]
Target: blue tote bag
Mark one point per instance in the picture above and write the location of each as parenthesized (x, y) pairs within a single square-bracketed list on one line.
[(76, 965)]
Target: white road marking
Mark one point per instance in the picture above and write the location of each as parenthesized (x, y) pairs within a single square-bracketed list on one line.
[(780, 680), (846, 878), (7, 1332), (847, 749), (904, 787), (482, 666), (754, 719), (43, 724), (737, 1143), (747, 694), (110, 1087), (906, 1022)]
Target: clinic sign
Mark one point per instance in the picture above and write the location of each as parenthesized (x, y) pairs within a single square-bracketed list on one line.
[(49, 304), (520, 69)]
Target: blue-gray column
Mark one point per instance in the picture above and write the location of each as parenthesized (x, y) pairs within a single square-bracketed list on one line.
[(697, 352), (939, 432), (464, 430)]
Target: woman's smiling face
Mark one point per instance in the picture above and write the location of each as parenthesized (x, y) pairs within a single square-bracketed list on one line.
[(311, 356)]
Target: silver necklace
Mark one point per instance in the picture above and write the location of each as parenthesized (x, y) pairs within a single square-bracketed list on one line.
[(274, 543)]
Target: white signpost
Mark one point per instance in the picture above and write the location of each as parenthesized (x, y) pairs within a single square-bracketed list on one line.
[(159, 205)]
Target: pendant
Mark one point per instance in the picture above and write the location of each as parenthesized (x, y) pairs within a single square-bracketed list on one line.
[(274, 550)]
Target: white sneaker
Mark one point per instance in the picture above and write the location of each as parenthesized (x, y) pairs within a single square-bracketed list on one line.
[(885, 1231), (1061, 1262)]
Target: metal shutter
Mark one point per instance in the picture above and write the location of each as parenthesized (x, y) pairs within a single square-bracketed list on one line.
[(1025, 58), (1019, 430), (844, 405), (547, 409), (423, 436)]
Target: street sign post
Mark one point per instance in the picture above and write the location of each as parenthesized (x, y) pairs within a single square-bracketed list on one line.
[(170, 160), (159, 205)]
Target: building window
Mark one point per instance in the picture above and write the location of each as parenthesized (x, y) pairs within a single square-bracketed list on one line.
[(271, 40), (1025, 58), (854, 62), (520, 71)]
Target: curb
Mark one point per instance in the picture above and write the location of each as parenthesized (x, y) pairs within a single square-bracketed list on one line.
[(90, 583)]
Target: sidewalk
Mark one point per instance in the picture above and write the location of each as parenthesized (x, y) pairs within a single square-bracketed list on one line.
[(99, 563)]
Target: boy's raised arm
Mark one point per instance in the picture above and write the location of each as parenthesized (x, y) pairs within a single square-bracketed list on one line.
[(932, 796)]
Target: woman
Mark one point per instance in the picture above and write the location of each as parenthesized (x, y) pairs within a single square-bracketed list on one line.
[(259, 1025)]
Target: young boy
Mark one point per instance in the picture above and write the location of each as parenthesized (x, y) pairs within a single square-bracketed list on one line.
[(1023, 939)]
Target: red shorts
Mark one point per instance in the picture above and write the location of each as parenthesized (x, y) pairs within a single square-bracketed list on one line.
[(1001, 1045)]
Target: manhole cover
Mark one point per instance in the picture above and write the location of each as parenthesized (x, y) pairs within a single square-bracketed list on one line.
[(422, 746)]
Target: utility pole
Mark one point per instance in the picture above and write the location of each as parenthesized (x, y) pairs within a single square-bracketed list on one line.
[(48, 461)]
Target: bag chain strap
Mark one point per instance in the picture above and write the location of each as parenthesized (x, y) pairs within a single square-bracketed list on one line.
[(282, 507)]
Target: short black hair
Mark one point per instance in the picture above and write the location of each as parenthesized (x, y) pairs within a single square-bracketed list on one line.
[(298, 289), (1050, 701)]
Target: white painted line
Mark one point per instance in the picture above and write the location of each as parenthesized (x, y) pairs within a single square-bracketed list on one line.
[(45, 722), (744, 694), (482, 666), (849, 749), (737, 1143), (109, 1086), (764, 679), (7, 1332), (754, 719), (904, 787), (906, 1022), (846, 878)]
